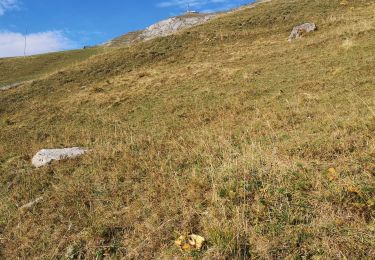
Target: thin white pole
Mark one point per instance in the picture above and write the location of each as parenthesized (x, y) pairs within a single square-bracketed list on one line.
[(24, 49)]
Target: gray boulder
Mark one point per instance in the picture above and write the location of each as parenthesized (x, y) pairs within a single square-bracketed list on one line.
[(46, 156), (299, 30)]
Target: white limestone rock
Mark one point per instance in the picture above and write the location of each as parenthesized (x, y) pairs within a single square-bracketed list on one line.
[(162, 28), (299, 30), (31, 204), (46, 156), (172, 25), (7, 87)]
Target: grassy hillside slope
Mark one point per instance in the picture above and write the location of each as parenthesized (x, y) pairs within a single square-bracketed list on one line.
[(266, 148), (15, 70)]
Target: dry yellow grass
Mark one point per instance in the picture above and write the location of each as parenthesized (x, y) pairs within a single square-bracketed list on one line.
[(263, 147), (20, 69)]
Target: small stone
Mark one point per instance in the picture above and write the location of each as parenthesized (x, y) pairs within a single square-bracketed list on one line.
[(300, 30), (46, 156), (32, 203)]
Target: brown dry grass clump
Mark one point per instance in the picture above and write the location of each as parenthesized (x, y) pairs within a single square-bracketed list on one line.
[(265, 148)]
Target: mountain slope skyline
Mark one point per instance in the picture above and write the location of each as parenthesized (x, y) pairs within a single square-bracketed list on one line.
[(63, 25)]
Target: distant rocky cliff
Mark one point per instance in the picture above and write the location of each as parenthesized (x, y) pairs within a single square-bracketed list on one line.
[(172, 25), (162, 28)]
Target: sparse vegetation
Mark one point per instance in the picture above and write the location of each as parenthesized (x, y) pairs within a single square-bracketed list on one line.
[(263, 147)]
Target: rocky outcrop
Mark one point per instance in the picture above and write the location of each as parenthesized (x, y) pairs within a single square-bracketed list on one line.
[(162, 28), (46, 156), (300, 30), (172, 25)]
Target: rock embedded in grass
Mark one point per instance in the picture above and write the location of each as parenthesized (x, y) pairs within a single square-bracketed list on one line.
[(7, 87), (46, 156), (31, 204), (300, 30)]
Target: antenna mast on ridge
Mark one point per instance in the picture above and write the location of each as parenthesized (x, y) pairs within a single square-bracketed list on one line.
[(24, 49), (190, 11)]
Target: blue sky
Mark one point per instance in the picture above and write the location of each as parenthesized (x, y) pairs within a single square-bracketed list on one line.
[(54, 25)]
